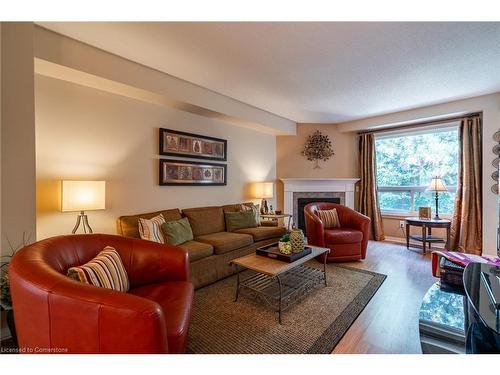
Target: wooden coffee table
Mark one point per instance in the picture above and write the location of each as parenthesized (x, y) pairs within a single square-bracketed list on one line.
[(277, 282)]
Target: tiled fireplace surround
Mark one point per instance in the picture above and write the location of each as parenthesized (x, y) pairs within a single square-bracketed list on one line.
[(295, 188)]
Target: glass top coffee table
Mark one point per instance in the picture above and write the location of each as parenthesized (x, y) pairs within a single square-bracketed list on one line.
[(443, 321), (279, 284)]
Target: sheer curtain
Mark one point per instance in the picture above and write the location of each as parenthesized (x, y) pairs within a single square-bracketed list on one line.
[(368, 199), (466, 228)]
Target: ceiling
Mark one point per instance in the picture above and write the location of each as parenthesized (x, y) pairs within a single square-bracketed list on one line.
[(313, 72)]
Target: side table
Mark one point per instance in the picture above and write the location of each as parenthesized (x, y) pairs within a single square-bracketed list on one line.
[(275, 217), (426, 237)]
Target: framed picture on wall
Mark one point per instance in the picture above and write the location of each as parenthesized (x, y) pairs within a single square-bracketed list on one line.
[(191, 173), (177, 143)]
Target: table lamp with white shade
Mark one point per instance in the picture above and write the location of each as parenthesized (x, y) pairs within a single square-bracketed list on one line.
[(437, 185), (263, 190), (82, 196)]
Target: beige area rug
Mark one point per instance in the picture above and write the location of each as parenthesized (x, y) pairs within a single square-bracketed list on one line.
[(314, 325)]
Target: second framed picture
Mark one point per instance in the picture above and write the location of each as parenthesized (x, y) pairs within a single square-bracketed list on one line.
[(177, 143), (190, 173)]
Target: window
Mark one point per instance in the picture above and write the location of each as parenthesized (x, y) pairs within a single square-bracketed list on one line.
[(406, 162)]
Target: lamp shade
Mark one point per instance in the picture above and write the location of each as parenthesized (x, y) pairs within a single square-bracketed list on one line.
[(437, 184), (82, 195), (263, 190)]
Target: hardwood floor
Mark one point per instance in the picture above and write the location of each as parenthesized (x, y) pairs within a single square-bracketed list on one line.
[(389, 324)]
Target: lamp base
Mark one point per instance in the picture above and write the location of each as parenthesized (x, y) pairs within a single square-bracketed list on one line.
[(82, 219), (437, 207), (264, 208)]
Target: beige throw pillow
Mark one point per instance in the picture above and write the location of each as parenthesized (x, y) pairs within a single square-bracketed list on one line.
[(106, 270), (150, 229)]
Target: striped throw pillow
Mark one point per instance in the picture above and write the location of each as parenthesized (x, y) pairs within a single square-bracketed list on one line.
[(106, 270), (330, 218), (150, 229)]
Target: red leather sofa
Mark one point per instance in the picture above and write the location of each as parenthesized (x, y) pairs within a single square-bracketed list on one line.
[(346, 243), (54, 313)]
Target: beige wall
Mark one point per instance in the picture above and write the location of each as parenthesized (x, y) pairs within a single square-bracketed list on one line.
[(1, 104), (84, 133), (18, 135), (290, 162)]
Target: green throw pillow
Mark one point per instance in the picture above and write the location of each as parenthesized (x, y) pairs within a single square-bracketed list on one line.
[(177, 231), (255, 208), (240, 220)]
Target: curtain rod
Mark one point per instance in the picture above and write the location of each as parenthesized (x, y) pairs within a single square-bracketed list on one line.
[(422, 123)]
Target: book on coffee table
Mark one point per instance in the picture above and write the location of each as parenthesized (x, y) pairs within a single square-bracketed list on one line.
[(272, 251)]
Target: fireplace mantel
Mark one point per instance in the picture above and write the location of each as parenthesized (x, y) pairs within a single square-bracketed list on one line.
[(318, 185)]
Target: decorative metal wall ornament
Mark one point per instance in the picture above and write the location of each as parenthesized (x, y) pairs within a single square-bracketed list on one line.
[(496, 149), (318, 147), (495, 162)]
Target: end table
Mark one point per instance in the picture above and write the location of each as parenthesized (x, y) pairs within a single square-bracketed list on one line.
[(275, 217), (426, 237)]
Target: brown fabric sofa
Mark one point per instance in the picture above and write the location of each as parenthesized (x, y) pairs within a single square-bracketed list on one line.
[(212, 248)]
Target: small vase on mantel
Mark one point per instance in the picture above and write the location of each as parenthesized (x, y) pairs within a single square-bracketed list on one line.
[(297, 240)]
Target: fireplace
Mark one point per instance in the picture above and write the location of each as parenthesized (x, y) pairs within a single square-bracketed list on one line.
[(302, 202), (339, 190)]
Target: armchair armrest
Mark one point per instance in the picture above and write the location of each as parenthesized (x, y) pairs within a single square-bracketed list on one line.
[(143, 320), (355, 220), (314, 229), (153, 262)]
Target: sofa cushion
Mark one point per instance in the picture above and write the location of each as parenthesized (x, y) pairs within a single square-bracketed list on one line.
[(197, 250), (128, 226), (177, 232), (175, 299), (269, 223), (254, 208), (236, 207), (240, 220), (205, 220), (263, 233), (224, 242), (342, 236)]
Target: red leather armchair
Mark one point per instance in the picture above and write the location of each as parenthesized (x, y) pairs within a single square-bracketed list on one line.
[(346, 243), (54, 313)]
